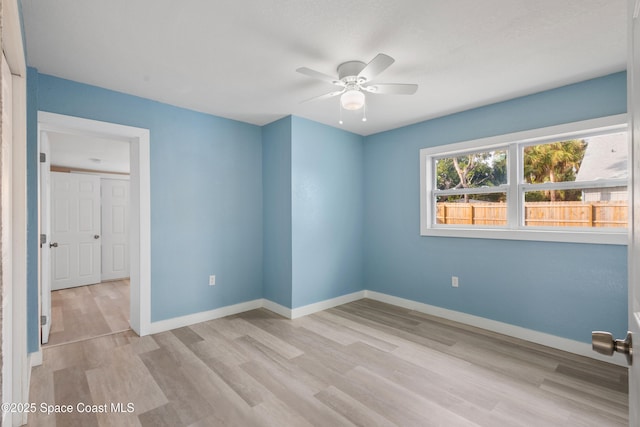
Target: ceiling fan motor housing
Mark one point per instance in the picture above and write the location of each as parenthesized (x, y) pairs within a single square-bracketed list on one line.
[(348, 71)]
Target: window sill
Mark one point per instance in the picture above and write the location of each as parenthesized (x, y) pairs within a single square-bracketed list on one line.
[(545, 235)]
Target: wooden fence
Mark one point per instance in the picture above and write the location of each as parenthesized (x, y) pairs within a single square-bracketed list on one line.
[(541, 214)]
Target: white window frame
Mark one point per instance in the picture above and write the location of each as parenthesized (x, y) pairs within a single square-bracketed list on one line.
[(514, 143)]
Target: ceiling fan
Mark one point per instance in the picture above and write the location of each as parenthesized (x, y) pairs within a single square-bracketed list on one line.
[(354, 79)]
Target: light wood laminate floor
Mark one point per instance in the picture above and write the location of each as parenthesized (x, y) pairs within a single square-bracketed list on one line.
[(89, 311), (364, 363)]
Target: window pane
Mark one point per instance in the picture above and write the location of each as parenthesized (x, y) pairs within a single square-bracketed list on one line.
[(532, 185), (554, 196), (476, 209), (605, 158), (482, 169), (597, 207), (587, 159)]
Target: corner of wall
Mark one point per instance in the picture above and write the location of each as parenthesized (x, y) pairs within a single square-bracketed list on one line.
[(276, 207)]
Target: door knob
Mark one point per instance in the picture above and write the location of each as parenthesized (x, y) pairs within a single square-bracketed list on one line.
[(603, 343), (96, 236), (53, 245)]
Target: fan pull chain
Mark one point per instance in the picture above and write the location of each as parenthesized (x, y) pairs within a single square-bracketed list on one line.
[(340, 121), (364, 112)]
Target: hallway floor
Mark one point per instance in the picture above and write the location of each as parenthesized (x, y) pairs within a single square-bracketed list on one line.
[(88, 312)]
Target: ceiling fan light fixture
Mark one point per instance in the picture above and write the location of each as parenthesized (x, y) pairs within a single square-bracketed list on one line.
[(352, 99), (354, 79)]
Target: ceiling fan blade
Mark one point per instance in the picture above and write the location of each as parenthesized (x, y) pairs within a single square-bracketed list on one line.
[(377, 65), (320, 76), (391, 88), (325, 96)]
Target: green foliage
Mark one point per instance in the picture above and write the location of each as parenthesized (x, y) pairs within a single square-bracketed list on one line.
[(487, 169), (554, 162)]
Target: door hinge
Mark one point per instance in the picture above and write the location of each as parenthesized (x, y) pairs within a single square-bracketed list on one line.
[(43, 157), (43, 239), (43, 320)]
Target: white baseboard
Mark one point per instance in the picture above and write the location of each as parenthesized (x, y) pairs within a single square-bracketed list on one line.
[(565, 344), (203, 316), (326, 304), (191, 319), (305, 310), (35, 359), (277, 308)]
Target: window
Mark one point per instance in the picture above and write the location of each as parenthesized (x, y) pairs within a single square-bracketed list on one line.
[(563, 183)]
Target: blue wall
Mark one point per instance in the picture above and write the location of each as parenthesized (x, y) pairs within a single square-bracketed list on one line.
[(327, 206), (299, 212), (276, 187), (313, 206), (206, 196), (558, 288)]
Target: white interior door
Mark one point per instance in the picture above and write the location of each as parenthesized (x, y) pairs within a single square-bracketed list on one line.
[(633, 91), (45, 230), (115, 229), (75, 230)]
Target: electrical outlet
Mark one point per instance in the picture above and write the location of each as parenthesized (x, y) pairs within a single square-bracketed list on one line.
[(212, 280), (454, 281)]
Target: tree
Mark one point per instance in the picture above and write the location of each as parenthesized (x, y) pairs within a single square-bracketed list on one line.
[(554, 162), (487, 169)]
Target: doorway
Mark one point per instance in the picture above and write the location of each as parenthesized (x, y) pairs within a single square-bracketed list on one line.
[(89, 239), (139, 210)]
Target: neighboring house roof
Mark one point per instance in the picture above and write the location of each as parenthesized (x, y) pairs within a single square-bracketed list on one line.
[(605, 158)]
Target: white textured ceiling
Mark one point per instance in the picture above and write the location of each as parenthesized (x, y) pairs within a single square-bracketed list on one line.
[(237, 58)]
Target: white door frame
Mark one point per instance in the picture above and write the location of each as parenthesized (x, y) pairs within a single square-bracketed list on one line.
[(44, 221), (12, 46), (6, 219), (140, 210), (633, 100)]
